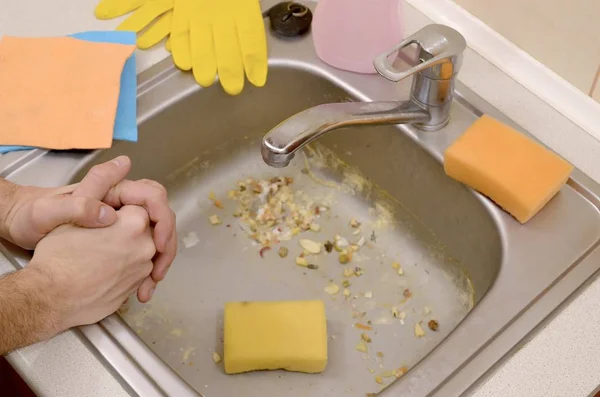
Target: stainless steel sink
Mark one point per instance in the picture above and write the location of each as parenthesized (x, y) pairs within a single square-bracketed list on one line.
[(487, 280)]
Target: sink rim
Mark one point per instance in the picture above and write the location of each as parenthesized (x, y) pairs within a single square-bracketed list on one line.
[(108, 336)]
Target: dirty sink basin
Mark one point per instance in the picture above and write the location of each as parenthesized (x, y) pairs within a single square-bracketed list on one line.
[(486, 280)]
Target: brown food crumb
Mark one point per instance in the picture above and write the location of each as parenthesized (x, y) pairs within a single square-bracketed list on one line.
[(328, 246), (380, 354), (407, 293), (263, 250), (379, 380), (433, 325), (363, 327), (365, 337), (219, 204)]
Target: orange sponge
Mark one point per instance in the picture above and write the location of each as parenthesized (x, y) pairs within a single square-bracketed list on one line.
[(517, 173)]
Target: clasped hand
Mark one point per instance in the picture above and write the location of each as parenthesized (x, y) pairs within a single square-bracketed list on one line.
[(96, 241)]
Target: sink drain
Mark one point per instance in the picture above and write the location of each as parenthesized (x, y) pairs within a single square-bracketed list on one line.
[(289, 19)]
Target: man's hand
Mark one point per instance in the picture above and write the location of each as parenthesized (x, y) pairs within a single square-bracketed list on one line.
[(77, 276), (35, 211), (104, 182)]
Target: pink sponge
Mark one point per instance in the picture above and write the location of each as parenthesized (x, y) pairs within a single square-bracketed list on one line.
[(349, 34)]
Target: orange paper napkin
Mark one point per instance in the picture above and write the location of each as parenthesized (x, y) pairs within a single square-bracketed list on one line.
[(59, 92)]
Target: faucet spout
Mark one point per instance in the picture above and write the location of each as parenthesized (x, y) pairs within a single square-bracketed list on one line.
[(281, 143)]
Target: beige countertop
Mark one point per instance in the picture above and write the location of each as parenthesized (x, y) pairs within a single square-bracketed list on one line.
[(562, 359)]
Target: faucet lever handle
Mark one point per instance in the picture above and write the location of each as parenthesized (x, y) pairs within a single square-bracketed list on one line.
[(440, 50)]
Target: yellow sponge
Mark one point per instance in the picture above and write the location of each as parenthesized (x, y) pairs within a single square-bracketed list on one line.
[(290, 335), (517, 173)]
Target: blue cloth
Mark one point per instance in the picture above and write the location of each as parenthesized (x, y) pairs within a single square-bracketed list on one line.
[(126, 117)]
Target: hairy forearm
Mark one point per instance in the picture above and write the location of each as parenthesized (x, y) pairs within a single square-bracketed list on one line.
[(8, 191), (26, 313)]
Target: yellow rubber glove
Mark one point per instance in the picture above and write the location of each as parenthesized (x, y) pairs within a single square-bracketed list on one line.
[(155, 16), (227, 37), (179, 38)]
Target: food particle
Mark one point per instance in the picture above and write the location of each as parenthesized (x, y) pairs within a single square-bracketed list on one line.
[(344, 258), (346, 292), (398, 314), (365, 337), (283, 252), (373, 237), (362, 347), (190, 240), (433, 325), (387, 374), (371, 395), (310, 246), (328, 246), (419, 333), (257, 189), (315, 227), (371, 370), (360, 242), (358, 271), (216, 358), (300, 261), (400, 272), (427, 310), (358, 315), (354, 223), (346, 283), (380, 354), (263, 250), (363, 327), (407, 294), (356, 232), (214, 220), (332, 289), (395, 265), (213, 198), (379, 380), (340, 243), (312, 267), (348, 272), (368, 294), (398, 372)]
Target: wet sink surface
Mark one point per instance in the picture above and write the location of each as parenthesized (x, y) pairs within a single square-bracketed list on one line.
[(468, 265)]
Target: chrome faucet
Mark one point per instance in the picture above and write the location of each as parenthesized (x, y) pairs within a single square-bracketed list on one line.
[(435, 65)]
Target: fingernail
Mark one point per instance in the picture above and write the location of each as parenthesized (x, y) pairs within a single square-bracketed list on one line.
[(119, 161), (150, 293), (102, 215)]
